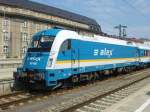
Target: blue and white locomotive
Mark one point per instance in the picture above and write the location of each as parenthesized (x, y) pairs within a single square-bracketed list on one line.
[(56, 56)]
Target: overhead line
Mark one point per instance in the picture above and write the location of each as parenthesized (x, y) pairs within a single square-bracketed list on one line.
[(138, 11)]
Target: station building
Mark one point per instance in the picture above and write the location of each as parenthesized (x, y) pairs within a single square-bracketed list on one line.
[(20, 19)]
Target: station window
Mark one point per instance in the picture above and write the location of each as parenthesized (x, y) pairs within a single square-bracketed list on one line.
[(5, 21), (6, 36), (33, 24), (5, 49), (66, 45), (24, 37), (24, 49), (25, 24), (38, 27), (5, 24)]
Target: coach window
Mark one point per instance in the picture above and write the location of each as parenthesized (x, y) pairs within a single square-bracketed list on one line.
[(149, 53), (145, 53), (66, 45)]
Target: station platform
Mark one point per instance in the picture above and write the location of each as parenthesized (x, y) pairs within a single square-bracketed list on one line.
[(136, 102)]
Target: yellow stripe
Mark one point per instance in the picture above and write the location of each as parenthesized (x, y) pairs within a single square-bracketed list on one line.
[(98, 60), (103, 60)]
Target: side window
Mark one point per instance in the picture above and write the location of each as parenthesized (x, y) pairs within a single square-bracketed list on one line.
[(146, 52), (66, 45)]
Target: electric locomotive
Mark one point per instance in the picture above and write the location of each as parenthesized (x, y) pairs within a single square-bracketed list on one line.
[(57, 56)]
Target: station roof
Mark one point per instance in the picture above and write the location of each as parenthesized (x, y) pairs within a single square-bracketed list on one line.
[(38, 7)]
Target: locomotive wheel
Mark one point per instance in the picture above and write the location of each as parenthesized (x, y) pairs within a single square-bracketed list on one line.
[(74, 79), (90, 77), (95, 76)]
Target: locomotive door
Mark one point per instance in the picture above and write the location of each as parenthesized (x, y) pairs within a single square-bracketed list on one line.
[(75, 59), (137, 55)]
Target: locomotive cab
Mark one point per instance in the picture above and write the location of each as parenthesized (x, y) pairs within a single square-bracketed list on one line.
[(33, 70), (38, 52)]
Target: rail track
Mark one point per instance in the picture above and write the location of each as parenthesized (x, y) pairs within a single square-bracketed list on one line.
[(15, 99), (103, 101)]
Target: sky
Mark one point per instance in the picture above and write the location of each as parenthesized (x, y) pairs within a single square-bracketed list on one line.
[(135, 14)]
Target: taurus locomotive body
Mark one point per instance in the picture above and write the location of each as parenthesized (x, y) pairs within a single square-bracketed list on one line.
[(56, 56)]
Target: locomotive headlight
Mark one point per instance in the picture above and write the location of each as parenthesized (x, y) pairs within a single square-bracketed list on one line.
[(50, 62)]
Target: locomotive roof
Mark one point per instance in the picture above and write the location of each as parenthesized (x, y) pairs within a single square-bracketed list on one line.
[(67, 34), (34, 6)]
